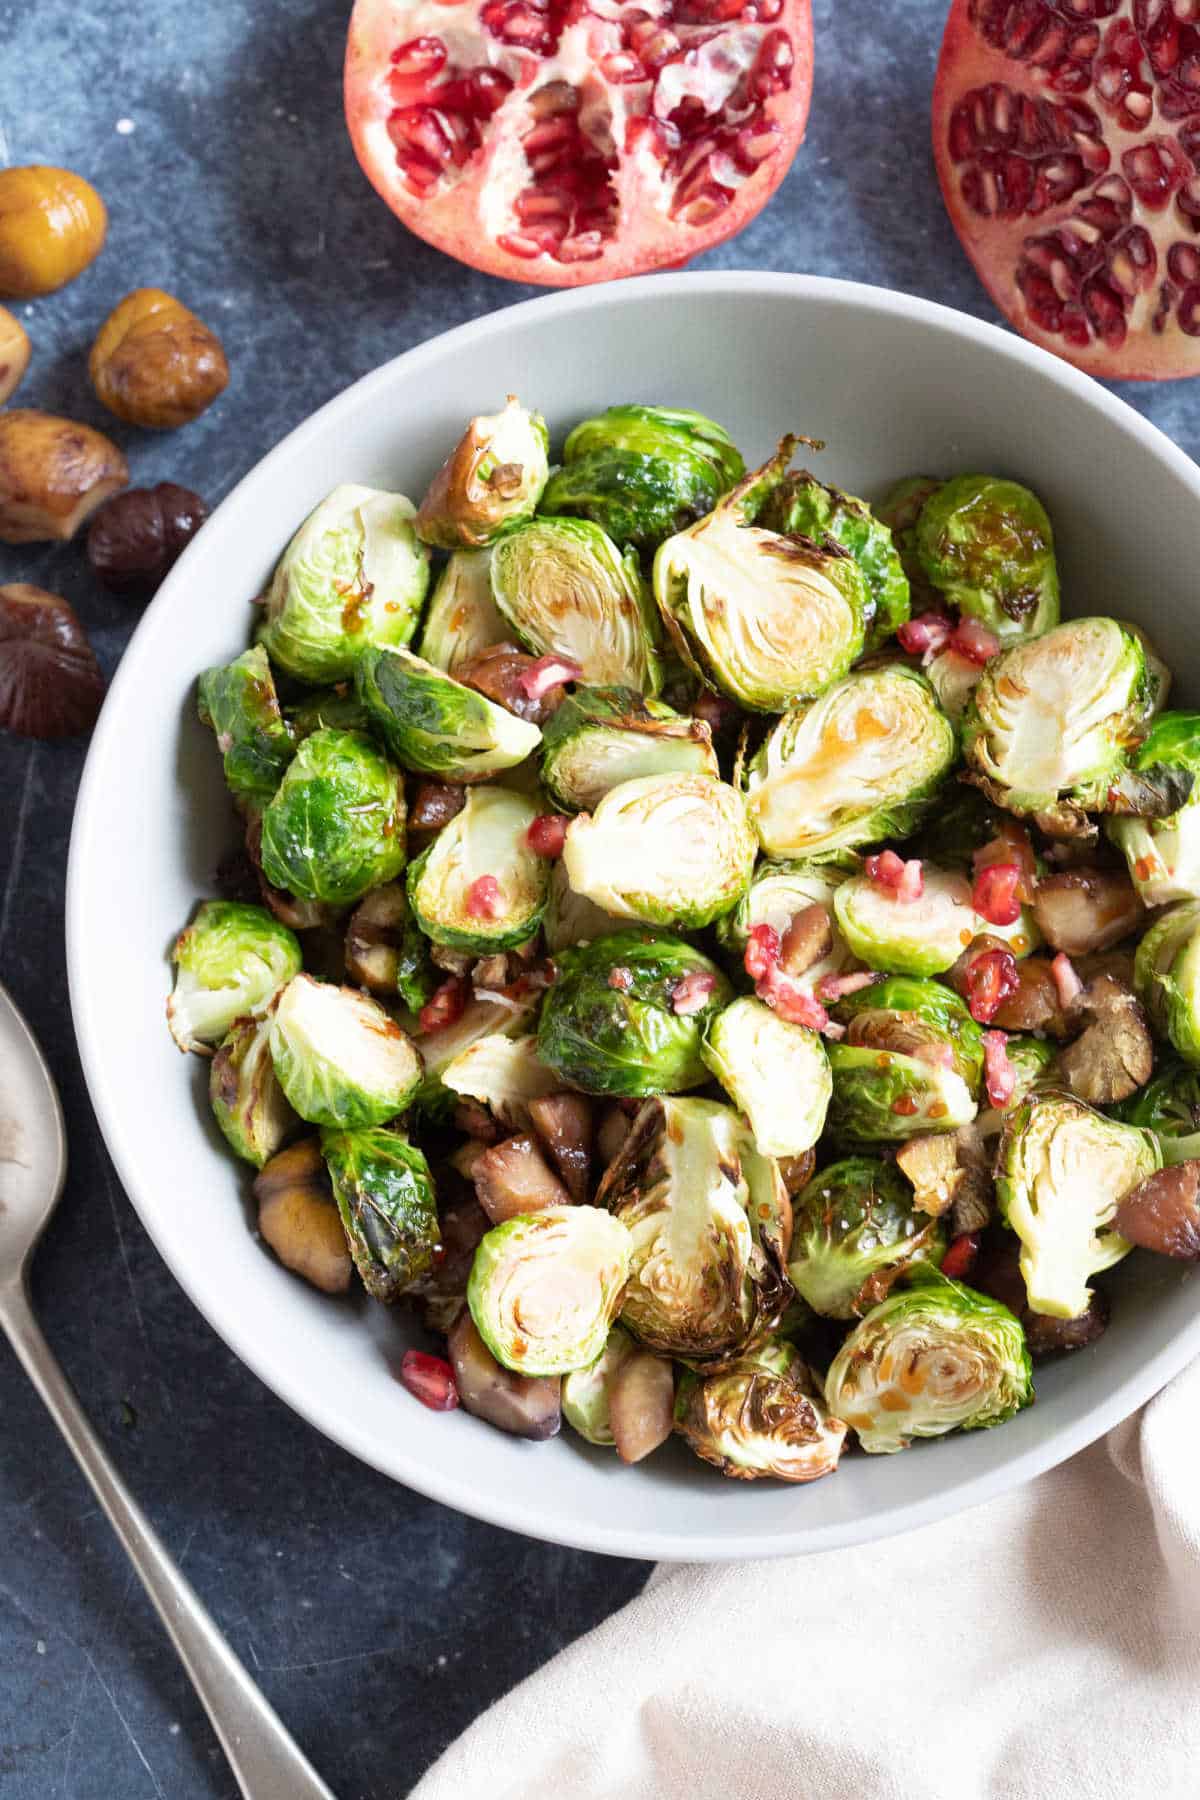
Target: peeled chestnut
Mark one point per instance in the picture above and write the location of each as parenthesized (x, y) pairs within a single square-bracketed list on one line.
[(50, 681), (155, 363), (52, 225), (14, 353), (54, 473), (136, 536)]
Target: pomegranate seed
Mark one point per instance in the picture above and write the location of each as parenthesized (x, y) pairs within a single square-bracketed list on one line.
[(620, 978), (975, 641), (836, 987), (547, 835), (484, 899), (445, 1006), (928, 632), (420, 56), (546, 673), (1010, 845), (658, 136), (792, 1002), (488, 90), (755, 142), (959, 1259), (773, 68), (988, 981), (994, 895), (1065, 980), (905, 879), (430, 1379), (762, 951), (692, 994), (585, 246), (520, 244), (623, 66), (999, 1076)]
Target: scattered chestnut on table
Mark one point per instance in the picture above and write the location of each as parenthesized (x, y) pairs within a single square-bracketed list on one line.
[(14, 353), (50, 681), (52, 225), (54, 473), (155, 363), (136, 536)]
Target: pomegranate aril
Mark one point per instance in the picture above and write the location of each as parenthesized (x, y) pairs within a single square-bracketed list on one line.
[(772, 72), (702, 204), (484, 899), (960, 1257), (762, 951), (1105, 313), (658, 136), (585, 246), (417, 170), (430, 1379), (547, 835), (445, 1006), (1153, 171), (988, 981), (623, 66), (420, 56), (994, 894), (692, 994), (755, 142), (520, 244)]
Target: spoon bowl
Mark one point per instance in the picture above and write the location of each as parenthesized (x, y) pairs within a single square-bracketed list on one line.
[(33, 1142)]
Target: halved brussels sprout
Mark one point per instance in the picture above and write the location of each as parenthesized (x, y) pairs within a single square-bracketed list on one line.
[(491, 1012), (493, 477), (463, 620), (1166, 973), (953, 678), (936, 1358), (239, 702), (503, 1073), (336, 826), (776, 1073), (642, 472), (572, 918), (1061, 1173), (763, 1414), (805, 505), (900, 509), (1032, 1061), (863, 763), (987, 546), (546, 1287), (668, 849), (434, 725), (853, 1223), (247, 1101), (354, 574), (608, 1024), (230, 961), (710, 1222), (766, 619), (341, 1060), (479, 886), (388, 1204), (1164, 854), (777, 892), (925, 936), (1169, 1107), (386, 950), (911, 1062), (335, 708), (601, 737), (585, 1391), (566, 590), (912, 1015)]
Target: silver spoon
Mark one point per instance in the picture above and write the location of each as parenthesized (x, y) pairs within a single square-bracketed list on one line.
[(267, 1762)]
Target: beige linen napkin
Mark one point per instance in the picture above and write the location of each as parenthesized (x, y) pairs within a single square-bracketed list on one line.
[(1045, 1646)]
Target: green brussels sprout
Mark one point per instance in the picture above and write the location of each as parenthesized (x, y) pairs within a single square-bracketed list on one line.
[(608, 1024), (1061, 1173), (777, 892), (571, 918), (336, 826), (762, 1414), (853, 1223), (585, 1391), (229, 962), (386, 1197), (247, 1101), (434, 725), (863, 763), (1169, 1107), (566, 590), (911, 1062), (492, 479), (709, 1220), (806, 506), (257, 745), (910, 1014), (766, 619), (933, 1359), (668, 849), (354, 574), (503, 1073), (1166, 974), (1032, 1061), (600, 737), (963, 821), (925, 936), (545, 1288), (642, 472), (900, 510), (489, 1014), (463, 620), (1164, 854), (329, 709), (953, 678), (987, 546), (479, 886), (776, 1073), (341, 1060)]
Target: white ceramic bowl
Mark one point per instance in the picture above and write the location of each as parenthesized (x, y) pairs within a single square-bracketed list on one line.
[(894, 385)]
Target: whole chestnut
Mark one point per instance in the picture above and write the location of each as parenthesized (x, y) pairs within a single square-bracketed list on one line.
[(52, 225), (54, 473), (136, 536), (155, 363), (50, 681), (14, 353)]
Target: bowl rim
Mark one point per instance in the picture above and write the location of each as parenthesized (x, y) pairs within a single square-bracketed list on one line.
[(436, 1483)]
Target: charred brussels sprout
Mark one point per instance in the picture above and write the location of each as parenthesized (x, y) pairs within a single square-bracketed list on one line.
[(247, 1101), (863, 763), (1164, 854), (778, 891), (1061, 1173), (354, 574), (386, 1198), (341, 1060), (670, 850), (852, 1224), (934, 1359), (239, 702), (601, 737), (572, 918), (335, 708), (463, 620), (1169, 1107), (434, 725), (900, 510), (585, 1391), (924, 936), (230, 961), (336, 826), (492, 478), (761, 1415), (479, 886), (776, 1073), (987, 546), (911, 1062), (503, 1074), (609, 1025), (805, 505), (545, 1288), (1167, 977), (566, 590)]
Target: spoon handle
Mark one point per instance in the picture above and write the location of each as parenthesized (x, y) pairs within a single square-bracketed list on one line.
[(267, 1762)]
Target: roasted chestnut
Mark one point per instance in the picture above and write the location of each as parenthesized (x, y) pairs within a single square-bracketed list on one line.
[(136, 536), (50, 681), (52, 225), (53, 474), (14, 353), (155, 363)]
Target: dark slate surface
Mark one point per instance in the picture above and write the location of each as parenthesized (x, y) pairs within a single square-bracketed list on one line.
[(378, 1623)]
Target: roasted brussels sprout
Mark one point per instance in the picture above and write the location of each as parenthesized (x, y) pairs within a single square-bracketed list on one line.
[(493, 477), (230, 961), (566, 590), (585, 1391), (572, 918), (434, 725), (354, 574), (341, 1060), (503, 1074), (385, 1195), (247, 1101), (760, 1414), (1167, 977), (778, 893), (953, 678), (1061, 1172), (462, 620), (924, 936), (987, 546), (601, 737), (767, 620), (854, 1223), (911, 1061), (710, 1222), (609, 1024), (336, 826), (1164, 854), (805, 505), (900, 510), (667, 849), (776, 1073), (545, 1288), (479, 886), (239, 702), (386, 950), (642, 472), (863, 763), (336, 708), (1169, 1107), (936, 1358)]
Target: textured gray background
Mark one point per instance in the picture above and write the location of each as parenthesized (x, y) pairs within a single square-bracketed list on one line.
[(377, 1622)]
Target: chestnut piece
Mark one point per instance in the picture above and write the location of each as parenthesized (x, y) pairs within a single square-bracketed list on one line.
[(136, 536), (52, 225), (54, 473), (50, 681), (14, 353), (155, 363)]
